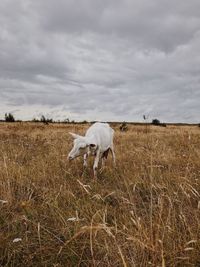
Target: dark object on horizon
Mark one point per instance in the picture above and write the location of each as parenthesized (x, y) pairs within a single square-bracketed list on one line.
[(156, 122), (123, 127), (9, 117)]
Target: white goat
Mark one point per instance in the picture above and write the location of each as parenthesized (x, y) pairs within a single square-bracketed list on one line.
[(97, 141)]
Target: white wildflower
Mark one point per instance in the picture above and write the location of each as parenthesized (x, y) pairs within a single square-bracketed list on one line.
[(72, 219), (16, 240), (3, 201)]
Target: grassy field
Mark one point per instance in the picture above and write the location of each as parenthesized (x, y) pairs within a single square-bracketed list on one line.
[(144, 212)]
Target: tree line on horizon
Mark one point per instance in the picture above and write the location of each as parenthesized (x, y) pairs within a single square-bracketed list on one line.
[(9, 117)]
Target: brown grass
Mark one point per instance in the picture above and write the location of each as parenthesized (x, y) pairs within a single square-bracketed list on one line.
[(146, 212)]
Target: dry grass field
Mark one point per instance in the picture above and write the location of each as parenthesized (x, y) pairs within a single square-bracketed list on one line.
[(144, 212)]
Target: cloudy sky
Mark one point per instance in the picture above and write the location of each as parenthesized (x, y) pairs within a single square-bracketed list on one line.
[(100, 59)]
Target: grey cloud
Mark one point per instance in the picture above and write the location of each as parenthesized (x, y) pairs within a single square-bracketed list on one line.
[(151, 24), (101, 59)]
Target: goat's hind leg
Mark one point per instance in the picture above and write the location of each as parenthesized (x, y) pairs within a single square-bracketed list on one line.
[(103, 159), (103, 163), (113, 155)]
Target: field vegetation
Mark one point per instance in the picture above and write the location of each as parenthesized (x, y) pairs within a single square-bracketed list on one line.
[(144, 212)]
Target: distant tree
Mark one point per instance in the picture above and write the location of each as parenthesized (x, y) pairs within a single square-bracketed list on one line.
[(45, 120), (155, 122), (9, 117)]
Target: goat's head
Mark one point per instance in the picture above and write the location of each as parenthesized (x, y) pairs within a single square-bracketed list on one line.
[(81, 143)]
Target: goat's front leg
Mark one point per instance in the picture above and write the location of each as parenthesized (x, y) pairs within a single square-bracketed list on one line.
[(85, 160), (85, 156), (96, 162)]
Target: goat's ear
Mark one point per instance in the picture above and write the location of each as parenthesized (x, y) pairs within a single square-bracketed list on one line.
[(74, 135)]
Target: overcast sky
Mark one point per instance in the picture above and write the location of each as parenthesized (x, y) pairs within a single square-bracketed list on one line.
[(100, 59)]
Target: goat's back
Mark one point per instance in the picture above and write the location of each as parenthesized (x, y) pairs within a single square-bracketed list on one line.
[(102, 133)]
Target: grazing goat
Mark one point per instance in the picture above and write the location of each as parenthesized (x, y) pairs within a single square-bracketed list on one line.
[(97, 141)]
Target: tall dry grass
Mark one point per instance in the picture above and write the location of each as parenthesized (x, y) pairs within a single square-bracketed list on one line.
[(145, 212)]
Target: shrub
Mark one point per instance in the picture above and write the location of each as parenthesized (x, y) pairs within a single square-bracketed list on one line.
[(158, 123), (123, 127), (66, 121), (35, 120), (155, 122)]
